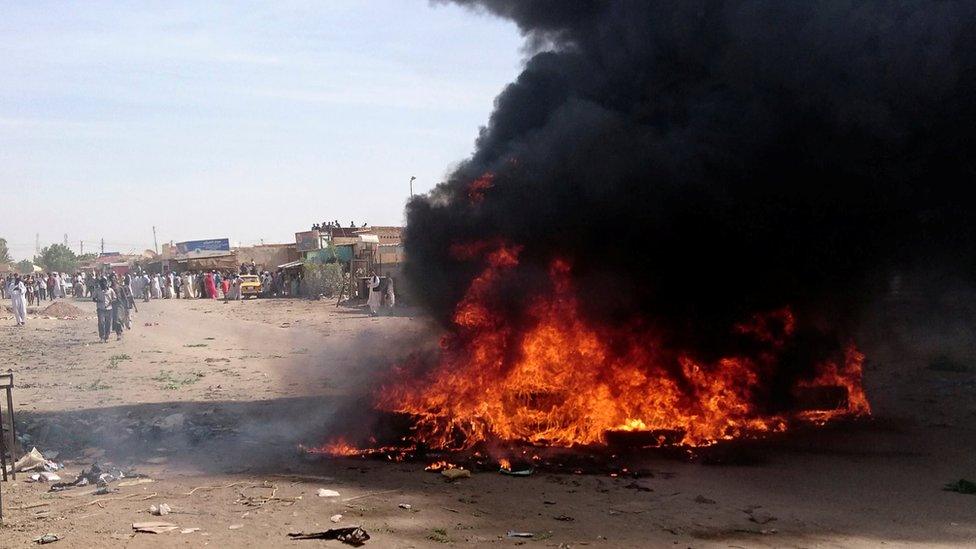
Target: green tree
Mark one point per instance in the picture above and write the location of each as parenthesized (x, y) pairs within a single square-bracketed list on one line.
[(4, 252), (57, 257), (25, 266)]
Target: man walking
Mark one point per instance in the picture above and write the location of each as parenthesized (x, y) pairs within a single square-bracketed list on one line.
[(18, 292), (103, 298), (146, 286)]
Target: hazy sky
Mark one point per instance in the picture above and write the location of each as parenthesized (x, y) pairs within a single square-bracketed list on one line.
[(233, 119)]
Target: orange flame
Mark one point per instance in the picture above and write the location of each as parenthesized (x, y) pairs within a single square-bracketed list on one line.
[(559, 380), (477, 188)]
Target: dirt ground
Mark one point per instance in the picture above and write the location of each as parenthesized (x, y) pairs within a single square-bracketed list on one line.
[(211, 401)]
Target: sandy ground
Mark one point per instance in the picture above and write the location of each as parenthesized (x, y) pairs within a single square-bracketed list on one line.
[(211, 400)]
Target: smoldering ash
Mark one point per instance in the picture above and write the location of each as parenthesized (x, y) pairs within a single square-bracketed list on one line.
[(675, 214)]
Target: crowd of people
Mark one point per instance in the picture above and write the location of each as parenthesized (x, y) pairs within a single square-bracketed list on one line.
[(39, 287), (213, 284), (114, 295)]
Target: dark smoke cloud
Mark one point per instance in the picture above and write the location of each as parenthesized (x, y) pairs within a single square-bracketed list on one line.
[(699, 161)]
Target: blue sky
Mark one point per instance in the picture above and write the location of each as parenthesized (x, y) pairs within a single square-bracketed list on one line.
[(234, 119)]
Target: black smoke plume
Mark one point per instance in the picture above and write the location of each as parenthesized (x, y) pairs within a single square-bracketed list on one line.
[(701, 161)]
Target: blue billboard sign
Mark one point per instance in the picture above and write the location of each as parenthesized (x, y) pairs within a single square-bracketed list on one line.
[(214, 244)]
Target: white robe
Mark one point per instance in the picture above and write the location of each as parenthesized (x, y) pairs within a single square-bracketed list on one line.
[(17, 291), (375, 296), (155, 288), (186, 287)]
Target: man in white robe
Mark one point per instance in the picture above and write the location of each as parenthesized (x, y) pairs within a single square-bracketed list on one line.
[(155, 287), (375, 295), (18, 292)]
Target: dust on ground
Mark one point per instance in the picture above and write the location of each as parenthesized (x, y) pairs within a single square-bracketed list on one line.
[(211, 399)]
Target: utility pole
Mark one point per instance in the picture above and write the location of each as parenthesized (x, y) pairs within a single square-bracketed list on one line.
[(81, 246), (155, 244), (103, 245), (37, 243), (412, 177), (65, 240)]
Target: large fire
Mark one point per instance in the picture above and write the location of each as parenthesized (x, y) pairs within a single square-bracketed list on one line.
[(553, 378)]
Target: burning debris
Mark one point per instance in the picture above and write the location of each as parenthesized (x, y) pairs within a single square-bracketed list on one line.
[(560, 380), (667, 231)]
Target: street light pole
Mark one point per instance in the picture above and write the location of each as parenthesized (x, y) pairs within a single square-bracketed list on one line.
[(412, 177)]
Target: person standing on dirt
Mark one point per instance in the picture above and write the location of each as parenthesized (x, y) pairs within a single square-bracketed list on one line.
[(120, 310), (146, 287), (41, 288), (64, 283), (375, 294), (104, 298), (18, 294), (211, 287)]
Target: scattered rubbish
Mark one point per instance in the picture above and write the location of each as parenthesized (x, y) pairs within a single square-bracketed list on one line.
[(335, 518), (29, 461), (351, 535), (46, 538), (514, 534), (439, 466), (136, 482), (702, 499), (235, 527), (154, 527), (406, 506), (961, 486), (564, 518), (505, 467), (548, 502), (95, 475), (516, 472), (189, 530), (159, 510), (455, 474), (324, 493)]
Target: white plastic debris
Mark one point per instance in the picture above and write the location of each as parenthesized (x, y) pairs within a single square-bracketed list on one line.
[(29, 461), (324, 493), (335, 518), (159, 510), (49, 477), (406, 506)]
